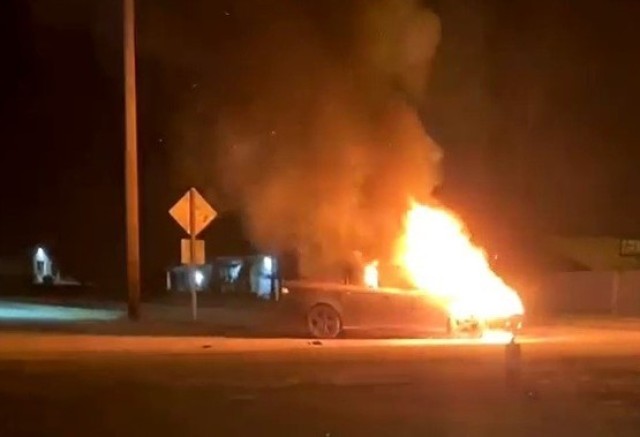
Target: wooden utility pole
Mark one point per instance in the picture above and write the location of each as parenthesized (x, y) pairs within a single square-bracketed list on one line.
[(131, 162)]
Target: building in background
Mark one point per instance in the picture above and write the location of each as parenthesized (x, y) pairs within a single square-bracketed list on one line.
[(254, 275), (605, 253), (20, 271), (34, 267), (43, 267)]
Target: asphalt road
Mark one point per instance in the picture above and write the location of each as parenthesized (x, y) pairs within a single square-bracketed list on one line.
[(568, 382)]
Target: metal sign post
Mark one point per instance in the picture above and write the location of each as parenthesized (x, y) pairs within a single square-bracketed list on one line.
[(193, 213), (192, 253)]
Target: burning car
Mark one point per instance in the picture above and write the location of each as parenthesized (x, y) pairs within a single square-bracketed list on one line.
[(326, 310), (452, 287)]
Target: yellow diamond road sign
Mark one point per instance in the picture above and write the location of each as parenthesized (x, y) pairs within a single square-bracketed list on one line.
[(202, 211)]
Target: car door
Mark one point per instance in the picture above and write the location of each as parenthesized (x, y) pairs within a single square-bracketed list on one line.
[(371, 308), (400, 311), (426, 315)]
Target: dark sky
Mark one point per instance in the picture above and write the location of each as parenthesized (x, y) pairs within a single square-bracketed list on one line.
[(533, 102)]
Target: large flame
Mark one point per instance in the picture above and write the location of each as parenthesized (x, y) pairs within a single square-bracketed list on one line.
[(438, 257)]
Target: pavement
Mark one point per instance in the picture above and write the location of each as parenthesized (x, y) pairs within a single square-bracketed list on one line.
[(100, 317), (560, 381), (90, 315), (81, 370)]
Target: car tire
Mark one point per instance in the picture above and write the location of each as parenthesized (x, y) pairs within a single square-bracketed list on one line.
[(324, 321)]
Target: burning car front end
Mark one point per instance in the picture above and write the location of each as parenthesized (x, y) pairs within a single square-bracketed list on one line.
[(476, 325)]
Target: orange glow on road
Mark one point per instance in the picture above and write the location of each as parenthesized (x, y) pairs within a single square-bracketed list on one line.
[(437, 256)]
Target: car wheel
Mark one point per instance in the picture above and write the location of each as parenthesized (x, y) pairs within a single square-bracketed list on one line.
[(323, 321)]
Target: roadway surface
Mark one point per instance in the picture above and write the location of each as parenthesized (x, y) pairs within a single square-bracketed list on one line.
[(568, 381)]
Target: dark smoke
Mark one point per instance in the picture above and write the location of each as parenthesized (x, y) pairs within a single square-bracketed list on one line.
[(322, 146)]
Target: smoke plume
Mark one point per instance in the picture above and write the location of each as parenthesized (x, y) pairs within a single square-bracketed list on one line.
[(325, 150)]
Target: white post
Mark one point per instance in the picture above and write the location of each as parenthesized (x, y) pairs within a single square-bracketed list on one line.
[(615, 291)]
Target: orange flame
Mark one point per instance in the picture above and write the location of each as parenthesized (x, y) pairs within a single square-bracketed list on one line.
[(438, 257), (371, 274)]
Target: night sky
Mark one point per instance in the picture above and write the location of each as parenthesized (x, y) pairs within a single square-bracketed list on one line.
[(534, 104)]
